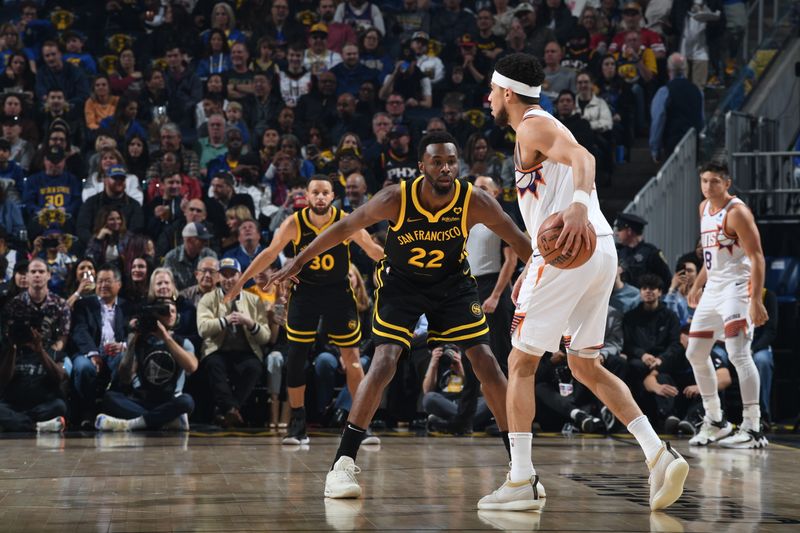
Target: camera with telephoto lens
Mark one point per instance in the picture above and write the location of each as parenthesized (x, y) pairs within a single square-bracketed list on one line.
[(20, 326), (449, 353), (148, 315)]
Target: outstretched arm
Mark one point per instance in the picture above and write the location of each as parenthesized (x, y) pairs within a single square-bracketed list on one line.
[(286, 232), (486, 210), (385, 205)]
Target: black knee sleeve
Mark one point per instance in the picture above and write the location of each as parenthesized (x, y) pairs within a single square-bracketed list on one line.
[(296, 364)]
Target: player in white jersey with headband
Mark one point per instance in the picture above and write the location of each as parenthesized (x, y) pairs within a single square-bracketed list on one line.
[(554, 173), (730, 306)]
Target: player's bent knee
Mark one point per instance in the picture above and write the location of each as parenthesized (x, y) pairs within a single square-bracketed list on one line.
[(698, 350), (583, 368)]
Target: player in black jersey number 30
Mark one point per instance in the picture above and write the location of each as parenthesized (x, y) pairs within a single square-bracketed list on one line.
[(424, 271)]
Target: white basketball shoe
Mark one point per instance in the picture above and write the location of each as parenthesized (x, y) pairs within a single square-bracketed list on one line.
[(668, 472), (528, 495), (710, 432), (341, 480), (746, 437)]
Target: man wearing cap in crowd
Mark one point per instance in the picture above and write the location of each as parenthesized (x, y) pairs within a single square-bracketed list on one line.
[(398, 161), (184, 259), (636, 256), (450, 22), (55, 187), (233, 336), (317, 57), (113, 195), (21, 150), (632, 20), (55, 73), (429, 65)]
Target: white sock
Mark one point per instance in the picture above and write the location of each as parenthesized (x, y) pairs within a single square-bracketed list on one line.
[(646, 436), (751, 414), (713, 407), (137, 423), (521, 462)]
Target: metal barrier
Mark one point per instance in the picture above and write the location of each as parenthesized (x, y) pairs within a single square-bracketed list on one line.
[(746, 133), (669, 201), (768, 181)]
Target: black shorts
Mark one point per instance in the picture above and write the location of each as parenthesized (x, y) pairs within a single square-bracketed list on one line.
[(452, 308), (335, 303)]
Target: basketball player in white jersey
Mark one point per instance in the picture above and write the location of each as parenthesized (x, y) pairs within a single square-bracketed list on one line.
[(730, 306), (556, 174)]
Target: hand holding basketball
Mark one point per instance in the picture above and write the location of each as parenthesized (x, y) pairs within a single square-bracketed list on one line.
[(555, 246)]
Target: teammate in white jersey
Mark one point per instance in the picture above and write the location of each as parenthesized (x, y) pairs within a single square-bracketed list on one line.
[(554, 173), (729, 308)]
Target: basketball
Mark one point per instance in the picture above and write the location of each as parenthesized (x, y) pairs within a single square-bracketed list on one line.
[(546, 240)]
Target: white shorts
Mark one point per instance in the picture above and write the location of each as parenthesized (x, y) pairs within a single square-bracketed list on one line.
[(571, 303), (723, 311)]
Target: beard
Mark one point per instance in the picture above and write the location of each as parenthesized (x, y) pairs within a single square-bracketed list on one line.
[(320, 210), (502, 117)]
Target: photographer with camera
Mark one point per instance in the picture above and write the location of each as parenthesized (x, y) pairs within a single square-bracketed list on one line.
[(233, 337), (151, 375), (443, 386), (31, 393), (98, 339)]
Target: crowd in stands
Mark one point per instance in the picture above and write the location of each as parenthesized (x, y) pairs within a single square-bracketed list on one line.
[(151, 148)]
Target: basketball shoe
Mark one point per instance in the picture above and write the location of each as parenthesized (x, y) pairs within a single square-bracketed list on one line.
[(341, 480), (668, 472), (110, 423), (711, 431), (297, 429), (370, 439), (528, 495), (746, 437), (54, 425)]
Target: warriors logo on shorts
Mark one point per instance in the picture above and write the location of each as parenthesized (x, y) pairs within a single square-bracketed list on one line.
[(476, 309)]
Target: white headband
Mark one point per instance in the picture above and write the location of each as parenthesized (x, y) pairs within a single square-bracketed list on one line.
[(516, 86)]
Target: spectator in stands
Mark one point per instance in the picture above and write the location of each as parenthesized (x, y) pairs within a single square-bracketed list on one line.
[(215, 100), (355, 193), (555, 14), (207, 276), (429, 65), (263, 105), (347, 119), (621, 101), (114, 196), (652, 333), (123, 124), (676, 107), (295, 80), (229, 161), (249, 244), (596, 111), (682, 281), (571, 117), (240, 77), (636, 64), (360, 15), (98, 340), (536, 35), (10, 213), (233, 335), (11, 173), (193, 211), (453, 115), (474, 66), (55, 73), (735, 23), (21, 150), (517, 41), (490, 45), (410, 83), (504, 16), (151, 374), (100, 104), (15, 106), (183, 260), (30, 379), (17, 278), (171, 141), (557, 78), (111, 165), (223, 196), (54, 247), (632, 21), (450, 22), (317, 57), (281, 28), (478, 159), (137, 157), (636, 256), (18, 76), (184, 90), (80, 281), (53, 188), (319, 105), (213, 145), (153, 102), (373, 55), (381, 124), (171, 166), (596, 24), (339, 33), (126, 78), (55, 326), (624, 296), (689, 20), (110, 238), (398, 162), (74, 54), (351, 73), (137, 280), (56, 107)]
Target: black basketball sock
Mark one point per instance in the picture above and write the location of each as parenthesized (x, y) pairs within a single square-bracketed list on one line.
[(351, 440), (506, 443)]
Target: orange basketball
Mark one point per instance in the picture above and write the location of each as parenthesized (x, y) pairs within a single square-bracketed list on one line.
[(548, 236)]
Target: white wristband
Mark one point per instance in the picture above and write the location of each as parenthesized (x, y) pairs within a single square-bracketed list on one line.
[(581, 197)]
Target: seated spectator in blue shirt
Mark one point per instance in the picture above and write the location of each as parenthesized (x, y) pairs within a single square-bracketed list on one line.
[(249, 246), (123, 124), (55, 187), (351, 73), (682, 281), (55, 73), (73, 42), (10, 170)]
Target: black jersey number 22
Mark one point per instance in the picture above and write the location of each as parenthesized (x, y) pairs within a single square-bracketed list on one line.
[(418, 255)]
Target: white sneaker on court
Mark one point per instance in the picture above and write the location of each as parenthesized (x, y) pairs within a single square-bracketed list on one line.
[(528, 495), (110, 423), (746, 437), (370, 439), (341, 481), (668, 473), (710, 432)]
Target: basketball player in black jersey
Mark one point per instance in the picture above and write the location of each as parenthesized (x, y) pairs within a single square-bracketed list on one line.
[(323, 292), (424, 271)]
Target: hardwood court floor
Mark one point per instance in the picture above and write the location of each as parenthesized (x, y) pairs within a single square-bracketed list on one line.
[(130, 482)]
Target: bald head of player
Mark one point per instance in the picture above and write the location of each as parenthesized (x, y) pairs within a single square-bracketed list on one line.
[(516, 83), (438, 161), (319, 194)]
